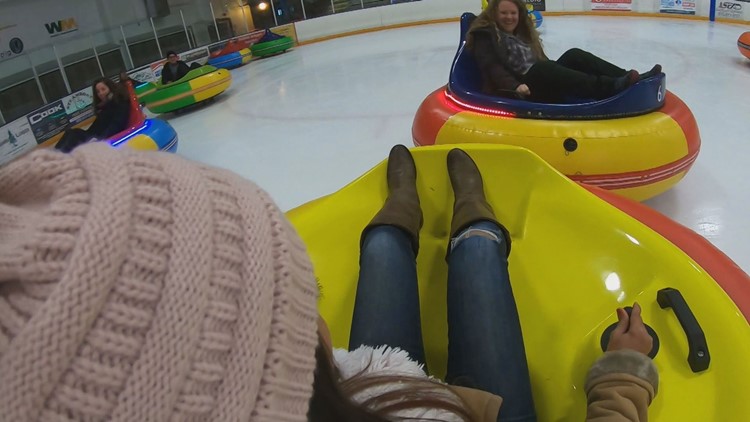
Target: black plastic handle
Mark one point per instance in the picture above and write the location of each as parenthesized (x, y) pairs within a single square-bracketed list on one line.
[(698, 356)]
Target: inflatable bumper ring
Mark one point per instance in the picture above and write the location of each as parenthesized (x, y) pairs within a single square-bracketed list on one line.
[(638, 143), (198, 85)]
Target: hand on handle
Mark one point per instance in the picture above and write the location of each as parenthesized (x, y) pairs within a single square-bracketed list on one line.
[(630, 332)]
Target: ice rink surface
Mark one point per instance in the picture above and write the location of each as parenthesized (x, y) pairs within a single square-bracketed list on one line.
[(305, 123)]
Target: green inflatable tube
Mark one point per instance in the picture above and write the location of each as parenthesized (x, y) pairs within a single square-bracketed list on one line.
[(270, 48), (198, 85)]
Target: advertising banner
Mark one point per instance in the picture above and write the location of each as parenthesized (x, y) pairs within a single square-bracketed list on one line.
[(680, 7), (615, 5), (79, 106), (539, 5), (48, 121), (730, 9), (244, 41), (61, 27), (11, 44), (143, 75), (16, 139), (254, 36), (288, 30), (156, 68)]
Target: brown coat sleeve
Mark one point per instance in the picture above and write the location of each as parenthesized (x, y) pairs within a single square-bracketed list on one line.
[(620, 386), (482, 405), (491, 62)]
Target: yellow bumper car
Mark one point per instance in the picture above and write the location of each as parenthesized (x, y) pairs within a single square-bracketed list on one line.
[(576, 257)]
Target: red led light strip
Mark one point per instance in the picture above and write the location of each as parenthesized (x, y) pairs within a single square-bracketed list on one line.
[(485, 110)]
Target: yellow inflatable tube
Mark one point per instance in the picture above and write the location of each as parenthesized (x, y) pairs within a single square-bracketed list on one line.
[(638, 157), (575, 258)]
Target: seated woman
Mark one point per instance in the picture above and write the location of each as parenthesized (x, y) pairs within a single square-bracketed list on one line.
[(486, 354), (509, 53), (112, 110)]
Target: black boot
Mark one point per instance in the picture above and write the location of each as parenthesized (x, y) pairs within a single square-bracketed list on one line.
[(624, 82), (653, 72), (470, 204), (401, 208)]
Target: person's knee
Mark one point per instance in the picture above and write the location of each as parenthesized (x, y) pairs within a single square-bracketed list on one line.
[(63, 144), (572, 54), (540, 72), (482, 244), (382, 239)]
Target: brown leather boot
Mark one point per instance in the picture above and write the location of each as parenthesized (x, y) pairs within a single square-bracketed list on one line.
[(470, 204), (401, 208)]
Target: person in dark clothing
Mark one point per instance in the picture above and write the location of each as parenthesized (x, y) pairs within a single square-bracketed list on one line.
[(509, 53), (112, 111), (174, 69)]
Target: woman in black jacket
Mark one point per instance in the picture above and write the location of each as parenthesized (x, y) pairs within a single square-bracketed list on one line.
[(509, 53), (112, 110)]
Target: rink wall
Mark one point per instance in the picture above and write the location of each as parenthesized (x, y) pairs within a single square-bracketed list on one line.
[(434, 11), (702, 8), (365, 20)]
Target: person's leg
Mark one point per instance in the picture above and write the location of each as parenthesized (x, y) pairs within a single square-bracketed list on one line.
[(550, 81), (386, 308), (585, 62), (485, 343), (71, 138)]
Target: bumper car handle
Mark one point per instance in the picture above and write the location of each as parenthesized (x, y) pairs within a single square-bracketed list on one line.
[(698, 356)]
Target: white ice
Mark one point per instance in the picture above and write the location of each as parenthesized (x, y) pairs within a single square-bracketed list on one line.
[(305, 123)]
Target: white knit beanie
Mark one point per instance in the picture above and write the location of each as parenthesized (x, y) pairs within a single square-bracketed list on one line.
[(138, 286)]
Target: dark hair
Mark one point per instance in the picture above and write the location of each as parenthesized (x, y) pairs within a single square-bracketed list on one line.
[(525, 29), (119, 94), (328, 402), (171, 53), (331, 400)]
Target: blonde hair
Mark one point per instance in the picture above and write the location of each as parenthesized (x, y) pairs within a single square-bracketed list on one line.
[(525, 29)]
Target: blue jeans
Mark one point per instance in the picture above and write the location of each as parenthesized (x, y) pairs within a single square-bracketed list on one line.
[(485, 343)]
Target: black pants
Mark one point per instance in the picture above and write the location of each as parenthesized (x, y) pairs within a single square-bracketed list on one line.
[(71, 139), (576, 73)]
